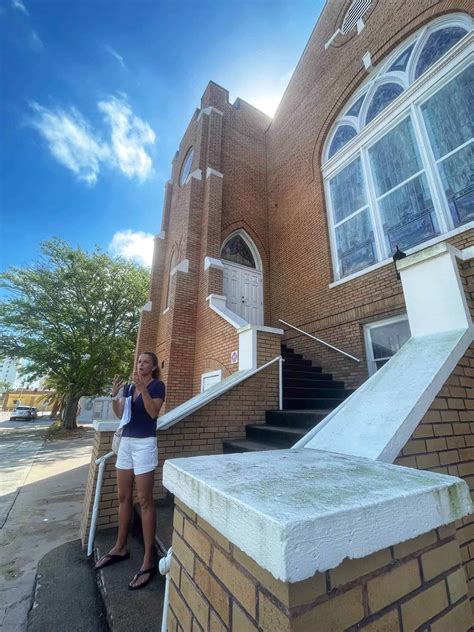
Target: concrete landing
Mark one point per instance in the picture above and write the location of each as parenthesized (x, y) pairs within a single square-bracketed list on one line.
[(129, 610)]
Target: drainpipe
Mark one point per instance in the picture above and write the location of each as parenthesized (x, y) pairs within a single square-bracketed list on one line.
[(95, 510), (164, 566)]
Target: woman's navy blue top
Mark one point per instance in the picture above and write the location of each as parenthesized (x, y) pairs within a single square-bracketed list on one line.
[(141, 425)]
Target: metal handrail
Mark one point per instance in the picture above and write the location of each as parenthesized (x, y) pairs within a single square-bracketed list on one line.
[(323, 342), (98, 488)]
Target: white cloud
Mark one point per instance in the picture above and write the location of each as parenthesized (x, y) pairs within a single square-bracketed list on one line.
[(129, 137), (76, 145), (116, 55), (135, 245), (71, 141), (18, 4)]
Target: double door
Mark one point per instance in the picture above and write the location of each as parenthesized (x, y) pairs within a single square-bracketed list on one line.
[(243, 287)]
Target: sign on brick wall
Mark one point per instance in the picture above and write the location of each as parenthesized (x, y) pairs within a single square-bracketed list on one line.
[(234, 357)]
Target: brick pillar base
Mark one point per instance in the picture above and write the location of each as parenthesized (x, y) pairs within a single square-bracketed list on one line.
[(215, 586)]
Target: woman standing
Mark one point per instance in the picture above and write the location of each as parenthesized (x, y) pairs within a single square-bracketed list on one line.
[(137, 459)]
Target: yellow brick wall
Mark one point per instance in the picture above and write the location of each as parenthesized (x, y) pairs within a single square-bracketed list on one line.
[(414, 585)]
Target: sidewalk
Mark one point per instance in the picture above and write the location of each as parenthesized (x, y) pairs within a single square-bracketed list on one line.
[(45, 514)]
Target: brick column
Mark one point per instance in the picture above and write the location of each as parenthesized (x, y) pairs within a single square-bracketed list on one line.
[(215, 586)]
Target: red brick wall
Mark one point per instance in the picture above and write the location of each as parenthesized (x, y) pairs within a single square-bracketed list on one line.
[(301, 268)]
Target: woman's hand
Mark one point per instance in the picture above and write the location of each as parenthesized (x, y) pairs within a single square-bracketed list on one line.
[(116, 385), (139, 382)]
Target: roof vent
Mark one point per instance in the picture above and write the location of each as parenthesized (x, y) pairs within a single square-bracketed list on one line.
[(354, 13), (353, 17)]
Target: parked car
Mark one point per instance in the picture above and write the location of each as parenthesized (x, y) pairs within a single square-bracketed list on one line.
[(24, 412)]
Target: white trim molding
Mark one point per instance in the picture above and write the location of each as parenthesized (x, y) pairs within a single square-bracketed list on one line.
[(207, 111), (105, 426), (217, 303), (211, 262), (183, 266), (213, 172), (196, 174)]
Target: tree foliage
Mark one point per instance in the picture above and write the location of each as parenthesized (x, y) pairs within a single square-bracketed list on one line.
[(75, 316)]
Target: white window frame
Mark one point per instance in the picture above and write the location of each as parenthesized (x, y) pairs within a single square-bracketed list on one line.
[(407, 104), (371, 361), (217, 373)]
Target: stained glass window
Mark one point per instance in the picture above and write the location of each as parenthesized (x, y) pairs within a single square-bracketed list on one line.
[(355, 108), (449, 120), (389, 191), (353, 226), (437, 44), (341, 137), (237, 251), (404, 199), (186, 167), (401, 62), (383, 96)]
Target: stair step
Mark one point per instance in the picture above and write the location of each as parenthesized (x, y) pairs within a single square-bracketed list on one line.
[(298, 403), (291, 354), (311, 383), (310, 373), (245, 445), (312, 392), (296, 418), (297, 362), (280, 436)]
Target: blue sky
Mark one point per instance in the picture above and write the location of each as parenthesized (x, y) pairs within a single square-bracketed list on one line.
[(96, 94)]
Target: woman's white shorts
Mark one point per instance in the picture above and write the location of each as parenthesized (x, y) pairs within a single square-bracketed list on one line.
[(139, 455)]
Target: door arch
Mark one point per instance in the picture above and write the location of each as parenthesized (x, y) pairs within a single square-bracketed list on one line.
[(243, 277)]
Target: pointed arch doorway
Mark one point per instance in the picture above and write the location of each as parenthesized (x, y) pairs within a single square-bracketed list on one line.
[(243, 277)]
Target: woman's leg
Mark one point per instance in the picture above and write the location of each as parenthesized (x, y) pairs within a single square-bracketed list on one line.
[(144, 484), (125, 493), (125, 489)]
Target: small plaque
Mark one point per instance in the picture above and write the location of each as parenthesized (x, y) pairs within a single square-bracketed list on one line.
[(234, 357)]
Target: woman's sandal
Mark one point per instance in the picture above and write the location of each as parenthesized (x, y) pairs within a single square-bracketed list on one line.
[(112, 559), (152, 573)]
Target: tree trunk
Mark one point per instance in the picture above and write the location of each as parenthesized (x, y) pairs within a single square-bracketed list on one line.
[(70, 412), (55, 409)]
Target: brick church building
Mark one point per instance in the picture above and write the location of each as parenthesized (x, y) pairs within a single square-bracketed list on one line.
[(280, 321), (296, 218)]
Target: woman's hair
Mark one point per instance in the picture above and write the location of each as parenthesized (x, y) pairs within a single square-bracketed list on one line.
[(156, 371)]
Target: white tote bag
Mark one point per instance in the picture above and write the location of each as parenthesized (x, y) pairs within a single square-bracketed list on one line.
[(127, 413)]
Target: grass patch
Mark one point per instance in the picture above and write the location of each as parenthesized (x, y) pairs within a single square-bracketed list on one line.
[(55, 432)]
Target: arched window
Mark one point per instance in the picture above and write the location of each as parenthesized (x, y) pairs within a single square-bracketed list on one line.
[(405, 173), (237, 250), (383, 96), (186, 166), (172, 265), (341, 137)]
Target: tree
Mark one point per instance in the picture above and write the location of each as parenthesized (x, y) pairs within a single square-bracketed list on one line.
[(74, 315)]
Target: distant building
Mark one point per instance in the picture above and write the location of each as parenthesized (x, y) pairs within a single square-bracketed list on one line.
[(8, 370)]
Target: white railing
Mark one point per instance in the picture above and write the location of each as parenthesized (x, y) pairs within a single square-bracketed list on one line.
[(95, 509), (323, 342), (202, 399)]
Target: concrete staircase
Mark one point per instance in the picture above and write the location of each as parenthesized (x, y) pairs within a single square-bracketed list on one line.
[(308, 396)]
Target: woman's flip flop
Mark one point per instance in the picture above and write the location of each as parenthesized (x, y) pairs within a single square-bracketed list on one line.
[(152, 573), (110, 558)]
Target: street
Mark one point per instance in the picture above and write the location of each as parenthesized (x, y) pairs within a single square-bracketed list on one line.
[(41, 494)]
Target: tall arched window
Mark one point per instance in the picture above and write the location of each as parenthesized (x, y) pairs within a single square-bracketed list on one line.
[(399, 163)]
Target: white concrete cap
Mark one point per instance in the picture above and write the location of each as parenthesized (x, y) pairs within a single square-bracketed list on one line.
[(378, 419), (298, 512)]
